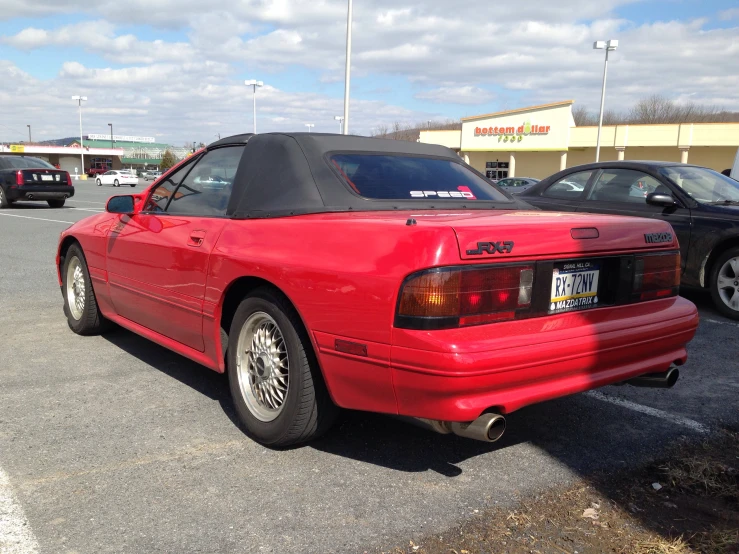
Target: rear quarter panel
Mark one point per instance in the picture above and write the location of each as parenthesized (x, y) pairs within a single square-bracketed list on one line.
[(343, 278)]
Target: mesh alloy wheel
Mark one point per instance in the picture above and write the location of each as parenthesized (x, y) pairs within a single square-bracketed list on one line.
[(262, 366)]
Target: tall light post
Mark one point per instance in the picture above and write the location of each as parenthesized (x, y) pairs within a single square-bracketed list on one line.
[(81, 99), (347, 70), (310, 126), (340, 119), (29, 133), (254, 83), (112, 143), (609, 46)]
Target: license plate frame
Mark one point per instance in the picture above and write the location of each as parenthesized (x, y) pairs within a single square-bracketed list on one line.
[(575, 286)]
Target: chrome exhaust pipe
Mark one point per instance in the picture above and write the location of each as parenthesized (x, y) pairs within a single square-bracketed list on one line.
[(664, 380), (487, 428)]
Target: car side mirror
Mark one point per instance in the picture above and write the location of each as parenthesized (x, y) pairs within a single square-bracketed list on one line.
[(124, 204), (661, 199)]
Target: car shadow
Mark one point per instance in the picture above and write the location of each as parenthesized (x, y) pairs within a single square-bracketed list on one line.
[(563, 428), (39, 205)]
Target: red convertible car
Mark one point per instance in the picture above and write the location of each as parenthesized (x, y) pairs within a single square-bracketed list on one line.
[(325, 271)]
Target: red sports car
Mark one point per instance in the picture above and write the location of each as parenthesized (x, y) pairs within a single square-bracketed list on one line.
[(325, 271)]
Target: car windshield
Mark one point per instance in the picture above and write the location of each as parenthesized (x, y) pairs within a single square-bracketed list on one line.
[(388, 177), (703, 185), (25, 162)]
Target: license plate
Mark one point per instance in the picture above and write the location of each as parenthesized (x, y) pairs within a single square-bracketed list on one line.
[(47, 177), (574, 287)]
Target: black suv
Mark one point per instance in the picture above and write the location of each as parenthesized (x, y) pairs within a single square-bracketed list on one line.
[(701, 204)]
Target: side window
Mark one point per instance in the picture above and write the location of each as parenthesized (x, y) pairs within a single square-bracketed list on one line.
[(623, 185), (207, 188), (159, 197), (569, 187)]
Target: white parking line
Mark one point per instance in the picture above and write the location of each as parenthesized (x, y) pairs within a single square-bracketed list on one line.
[(16, 536), (673, 418), (85, 209), (720, 322), (39, 218), (89, 202)]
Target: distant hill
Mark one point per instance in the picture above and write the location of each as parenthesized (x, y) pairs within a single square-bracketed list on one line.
[(59, 142)]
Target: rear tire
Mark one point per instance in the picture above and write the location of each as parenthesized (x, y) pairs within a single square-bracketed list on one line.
[(80, 305), (58, 203), (4, 202), (276, 385), (724, 283), (133, 185)]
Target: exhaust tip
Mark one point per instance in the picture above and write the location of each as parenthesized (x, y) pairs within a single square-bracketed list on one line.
[(672, 376), (497, 428), (664, 380), (488, 427)]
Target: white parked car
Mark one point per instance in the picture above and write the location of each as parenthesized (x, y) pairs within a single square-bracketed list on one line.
[(117, 178)]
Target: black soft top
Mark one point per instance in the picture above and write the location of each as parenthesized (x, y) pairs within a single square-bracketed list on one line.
[(289, 174)]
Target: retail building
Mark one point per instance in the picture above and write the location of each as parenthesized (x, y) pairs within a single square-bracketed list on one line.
[(541, 140)]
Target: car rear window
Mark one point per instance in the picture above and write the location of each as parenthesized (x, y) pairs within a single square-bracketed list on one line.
[(25, 162), (385, 177)]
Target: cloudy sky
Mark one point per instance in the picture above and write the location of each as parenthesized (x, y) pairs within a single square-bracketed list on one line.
[(175, 68)]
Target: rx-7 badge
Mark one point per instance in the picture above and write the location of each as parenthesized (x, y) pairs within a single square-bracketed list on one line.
[(502, 247)]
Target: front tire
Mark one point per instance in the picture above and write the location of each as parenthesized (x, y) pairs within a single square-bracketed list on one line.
[(116, 183), (56, 203), (725, 283), (276, 385), (80, 305), (99, 182)]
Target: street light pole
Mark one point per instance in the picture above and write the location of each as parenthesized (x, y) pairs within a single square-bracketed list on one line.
[(310, 126), (81, 99), (340, 119), (608, 47), (254, 83), (112, 143), (29, 133), (347, 70)]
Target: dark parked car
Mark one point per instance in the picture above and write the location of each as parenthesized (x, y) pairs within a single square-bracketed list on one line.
[(24, 178), (516, 185), (701, 204)]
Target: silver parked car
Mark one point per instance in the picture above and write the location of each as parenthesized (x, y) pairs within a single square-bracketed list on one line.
[(516, 185), (152, 175)]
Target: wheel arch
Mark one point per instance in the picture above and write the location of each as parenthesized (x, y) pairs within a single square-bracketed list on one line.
[(714, 255), (236, 291), (64, 245)]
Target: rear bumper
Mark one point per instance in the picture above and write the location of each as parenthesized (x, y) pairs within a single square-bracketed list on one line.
[(39, 192), (570, 353), (457, 374)]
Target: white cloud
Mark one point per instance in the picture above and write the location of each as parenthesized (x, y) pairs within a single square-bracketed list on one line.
[(456, 95), (98, 37), (530, 51)]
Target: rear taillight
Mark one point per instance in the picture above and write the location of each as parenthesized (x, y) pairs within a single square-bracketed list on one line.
[(19, 179), (656, 276), (69, 178), (460, 296)]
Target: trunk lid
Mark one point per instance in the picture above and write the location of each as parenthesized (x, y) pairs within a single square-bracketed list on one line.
[(42, 176), (531, 234)]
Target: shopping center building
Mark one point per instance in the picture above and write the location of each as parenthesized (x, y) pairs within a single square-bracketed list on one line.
[(100, 152), (541, 140)]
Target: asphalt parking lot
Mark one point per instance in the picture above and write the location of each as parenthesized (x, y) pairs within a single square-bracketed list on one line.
[(114, 444)]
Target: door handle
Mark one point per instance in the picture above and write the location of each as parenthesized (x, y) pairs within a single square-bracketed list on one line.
[(196, 238)]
